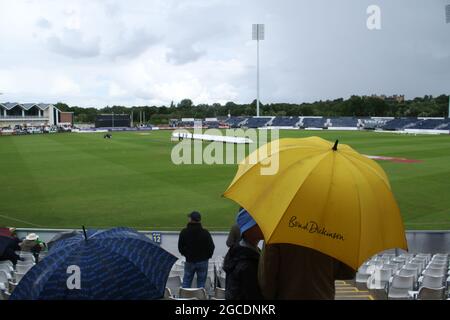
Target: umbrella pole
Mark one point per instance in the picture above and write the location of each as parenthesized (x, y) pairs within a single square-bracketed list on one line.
[(335, 145), (84, 231)]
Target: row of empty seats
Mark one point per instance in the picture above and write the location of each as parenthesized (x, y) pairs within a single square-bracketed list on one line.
[(234, 122), (431, 124), (214, 285), (407, 276), (285, 121), (11, 275), (399, 123), (313, 122), (343, 122), (338, 122), (257, 122)]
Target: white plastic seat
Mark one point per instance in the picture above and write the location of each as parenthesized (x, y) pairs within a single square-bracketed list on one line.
[(222, 281), (23, 268), (432, 281), (421, 261), (183, 299), (199, 293), (379, 279), (174, 283), (167, 293), (18, 276), (6, 262), (412, 265), (426, 293), (7, 268), (27, 257), (437, 265), (400, 287), (434, 272), (405, 271), (5, 276), (219, 294), (394, 267)]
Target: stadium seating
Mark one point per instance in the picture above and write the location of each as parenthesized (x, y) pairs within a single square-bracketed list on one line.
[(400, 286), (211, 124), (198, 293), (400, 123), (256, 122), (423, 272), (426, 293), (429, 124), (285, 121), (167, 293), (173, 284), (23, 268), (313, 122), (6, 268), (219, 293), (4, 279), (343, 122), (445, 126), (379, 279), (234, 122), (404, 276)]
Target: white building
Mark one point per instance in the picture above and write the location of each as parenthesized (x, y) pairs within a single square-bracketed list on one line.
[(30, 114)]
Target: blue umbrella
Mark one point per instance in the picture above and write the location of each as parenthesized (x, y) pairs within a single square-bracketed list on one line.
[(116, 264)]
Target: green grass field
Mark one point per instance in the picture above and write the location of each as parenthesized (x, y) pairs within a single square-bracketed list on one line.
[(69, 180)]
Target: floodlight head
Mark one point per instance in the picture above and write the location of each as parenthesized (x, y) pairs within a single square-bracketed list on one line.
[(447, 13), (258, 32)]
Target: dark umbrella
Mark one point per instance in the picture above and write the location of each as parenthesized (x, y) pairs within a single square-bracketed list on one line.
[(62, 236), (5, 232), (8, 246), (116, 264)]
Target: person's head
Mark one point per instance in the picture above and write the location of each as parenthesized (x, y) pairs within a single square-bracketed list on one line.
[(32, 237), (250, 230), (194, 217)]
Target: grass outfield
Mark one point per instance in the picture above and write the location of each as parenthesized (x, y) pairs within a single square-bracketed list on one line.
[(66, 180)]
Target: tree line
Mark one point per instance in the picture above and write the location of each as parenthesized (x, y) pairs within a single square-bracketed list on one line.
[(427, 106)]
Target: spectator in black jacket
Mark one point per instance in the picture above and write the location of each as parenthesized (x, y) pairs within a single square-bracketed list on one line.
[(241, 262), (196, 244)]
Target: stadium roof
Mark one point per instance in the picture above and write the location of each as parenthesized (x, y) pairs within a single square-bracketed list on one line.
[(25, 106)]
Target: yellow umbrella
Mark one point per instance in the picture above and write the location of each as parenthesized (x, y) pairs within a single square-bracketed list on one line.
[(324, 196)]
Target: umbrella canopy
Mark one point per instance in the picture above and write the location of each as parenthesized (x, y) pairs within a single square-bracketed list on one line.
[(324, 196), (8, 243), (5, 232), (115, 264), (62, 236)]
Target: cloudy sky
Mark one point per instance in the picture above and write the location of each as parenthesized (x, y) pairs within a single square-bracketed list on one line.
[(151, 52)]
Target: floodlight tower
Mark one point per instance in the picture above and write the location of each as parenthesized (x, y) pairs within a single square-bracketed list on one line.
[(257, 34), (447, 19)]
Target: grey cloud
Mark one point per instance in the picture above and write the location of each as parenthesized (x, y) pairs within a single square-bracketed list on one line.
[(74, 45), (183, 55), (131, 43), (44, 23)]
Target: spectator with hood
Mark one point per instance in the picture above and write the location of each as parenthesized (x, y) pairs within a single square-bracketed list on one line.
[(241, 261)]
